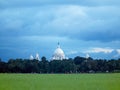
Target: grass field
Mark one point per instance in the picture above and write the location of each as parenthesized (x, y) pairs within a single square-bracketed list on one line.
[(60, 81)]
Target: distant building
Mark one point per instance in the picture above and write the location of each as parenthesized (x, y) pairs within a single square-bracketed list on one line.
[(31, 57), (87, 55), (36, 57), (58, 54)]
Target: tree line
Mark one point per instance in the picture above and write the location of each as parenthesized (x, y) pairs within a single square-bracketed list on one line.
[(76, 65)]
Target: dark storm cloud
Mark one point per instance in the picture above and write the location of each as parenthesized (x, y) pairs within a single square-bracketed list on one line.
[(84, 23), (27, 3)]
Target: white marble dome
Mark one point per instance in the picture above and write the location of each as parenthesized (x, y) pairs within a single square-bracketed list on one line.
[(58, 54)]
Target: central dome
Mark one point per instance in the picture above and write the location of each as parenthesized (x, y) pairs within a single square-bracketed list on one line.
[(58, 54)]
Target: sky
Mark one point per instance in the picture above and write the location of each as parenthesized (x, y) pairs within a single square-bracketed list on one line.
[(82, 27)]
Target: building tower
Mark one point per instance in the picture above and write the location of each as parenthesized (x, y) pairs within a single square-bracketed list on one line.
[(37, 56), (31, 57)]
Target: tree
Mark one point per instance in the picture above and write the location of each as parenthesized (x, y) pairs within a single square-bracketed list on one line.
[(78, 60), (3, 67), (44, 65), (78, 64)]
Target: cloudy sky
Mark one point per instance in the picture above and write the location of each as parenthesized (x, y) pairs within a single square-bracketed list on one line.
[(81, 26)]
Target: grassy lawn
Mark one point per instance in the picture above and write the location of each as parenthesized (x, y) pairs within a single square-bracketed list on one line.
[(60, 81)]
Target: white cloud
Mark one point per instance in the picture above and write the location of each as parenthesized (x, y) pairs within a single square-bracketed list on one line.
[(99, 50), (72, 52), (118, 50)]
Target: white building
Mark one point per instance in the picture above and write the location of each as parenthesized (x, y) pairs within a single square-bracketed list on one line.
[(31, 57), (37, 56), (87, 55), (58, 54)]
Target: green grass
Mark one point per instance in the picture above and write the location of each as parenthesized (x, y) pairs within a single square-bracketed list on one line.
[(60, 81)]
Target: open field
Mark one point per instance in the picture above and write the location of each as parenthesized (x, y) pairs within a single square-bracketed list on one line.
[(60, 81)]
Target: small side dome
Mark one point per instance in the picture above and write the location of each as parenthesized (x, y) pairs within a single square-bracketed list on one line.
[(31, 57), (37, 56)]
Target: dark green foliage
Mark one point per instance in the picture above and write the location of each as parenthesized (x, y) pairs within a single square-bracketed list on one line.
[(3, 67), (76, 65), (62, 66)]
